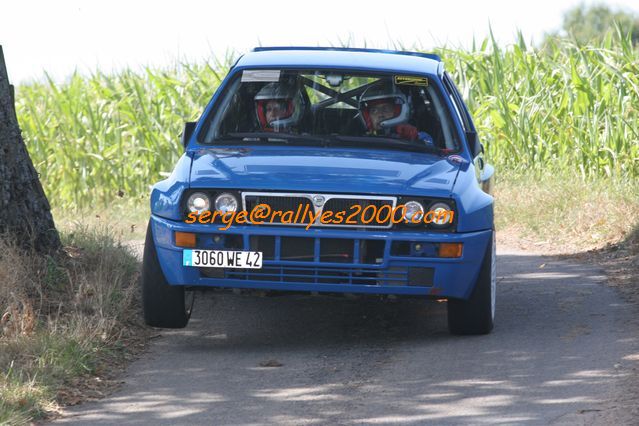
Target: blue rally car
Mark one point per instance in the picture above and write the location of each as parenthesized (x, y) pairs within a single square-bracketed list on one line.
[(328, 170)]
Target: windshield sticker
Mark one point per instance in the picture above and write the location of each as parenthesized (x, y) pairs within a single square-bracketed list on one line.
[(260, 75), (413, 81)]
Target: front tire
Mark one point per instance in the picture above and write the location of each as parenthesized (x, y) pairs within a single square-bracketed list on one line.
[(164, 305), (477, 314)]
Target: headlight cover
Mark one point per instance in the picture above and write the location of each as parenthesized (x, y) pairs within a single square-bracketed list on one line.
[(440, 220), (430, 219), (198, 202), (413, 213), (225, 203)]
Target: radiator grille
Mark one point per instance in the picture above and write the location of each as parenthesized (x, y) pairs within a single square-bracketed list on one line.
[(282, 203), (346, 205), (299, 203)]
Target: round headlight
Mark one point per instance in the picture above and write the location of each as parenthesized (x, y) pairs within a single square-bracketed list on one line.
[(440, 218), (413, 212), (225, 203), (198, 202)]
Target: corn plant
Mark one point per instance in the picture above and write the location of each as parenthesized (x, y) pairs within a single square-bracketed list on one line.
[(563, 107), (99, 137)]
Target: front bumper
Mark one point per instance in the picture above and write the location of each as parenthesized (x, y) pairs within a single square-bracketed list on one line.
[(390, 272)]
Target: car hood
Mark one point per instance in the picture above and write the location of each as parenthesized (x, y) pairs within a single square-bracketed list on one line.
[(310, 169)]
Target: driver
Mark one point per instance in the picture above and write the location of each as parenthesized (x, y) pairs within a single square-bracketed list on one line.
[(385, 110), (279, 107)]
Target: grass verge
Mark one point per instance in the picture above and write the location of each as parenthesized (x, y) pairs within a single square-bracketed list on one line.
[(65, 322), (560, 213), (126, 218)]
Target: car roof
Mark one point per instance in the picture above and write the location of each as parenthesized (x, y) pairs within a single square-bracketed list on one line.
[(335, 57)]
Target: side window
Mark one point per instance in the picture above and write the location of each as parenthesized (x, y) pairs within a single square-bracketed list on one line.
[(451, 94), (459, 103)]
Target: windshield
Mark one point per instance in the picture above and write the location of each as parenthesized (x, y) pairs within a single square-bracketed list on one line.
[(332, 107)]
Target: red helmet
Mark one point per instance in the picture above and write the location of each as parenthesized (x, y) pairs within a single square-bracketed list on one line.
[(384, 93), (286, 98)]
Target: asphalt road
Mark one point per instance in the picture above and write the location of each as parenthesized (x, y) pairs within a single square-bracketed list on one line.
[(563, 352)]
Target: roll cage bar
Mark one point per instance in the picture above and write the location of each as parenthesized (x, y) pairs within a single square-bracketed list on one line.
[(335, 96)]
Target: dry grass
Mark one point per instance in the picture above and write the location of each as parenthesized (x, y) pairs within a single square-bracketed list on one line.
[(562, 213), (63, 319), (125, 217)]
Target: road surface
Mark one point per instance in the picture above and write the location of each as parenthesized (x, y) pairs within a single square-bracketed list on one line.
[(563, 351)]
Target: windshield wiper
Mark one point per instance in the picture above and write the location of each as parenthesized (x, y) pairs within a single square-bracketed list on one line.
[(269, 137), (387, 143)]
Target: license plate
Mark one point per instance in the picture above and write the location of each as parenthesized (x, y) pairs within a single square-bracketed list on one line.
[(222, 259)]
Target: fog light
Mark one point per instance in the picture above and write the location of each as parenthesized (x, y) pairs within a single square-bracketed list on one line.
[(450, 249), (184, 239)]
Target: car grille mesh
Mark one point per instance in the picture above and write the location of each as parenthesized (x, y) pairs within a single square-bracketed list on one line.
[(335, 203), (346, 205), (283, 203), (319, 275)]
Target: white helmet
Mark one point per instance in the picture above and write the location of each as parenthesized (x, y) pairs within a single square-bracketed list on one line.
[(384, 92), (292, 103)]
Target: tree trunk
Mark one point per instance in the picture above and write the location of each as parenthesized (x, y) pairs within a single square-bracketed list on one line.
[(25, 214)]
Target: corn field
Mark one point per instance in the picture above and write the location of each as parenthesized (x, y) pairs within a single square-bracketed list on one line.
[(562, 107)]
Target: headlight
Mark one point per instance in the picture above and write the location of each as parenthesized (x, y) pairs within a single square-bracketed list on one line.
[(198, 202), (225, 203), (413, 212), (439, 218)]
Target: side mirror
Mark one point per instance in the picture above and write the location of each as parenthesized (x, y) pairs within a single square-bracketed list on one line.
[(475, 146), (189, 127)]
